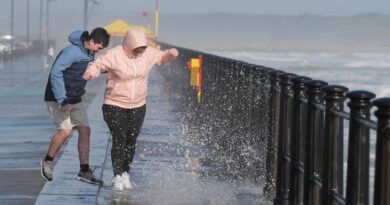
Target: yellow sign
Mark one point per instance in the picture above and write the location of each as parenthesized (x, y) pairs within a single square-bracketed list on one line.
[(195, 75)]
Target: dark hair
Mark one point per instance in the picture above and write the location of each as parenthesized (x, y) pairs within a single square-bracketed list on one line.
[(99, 35)]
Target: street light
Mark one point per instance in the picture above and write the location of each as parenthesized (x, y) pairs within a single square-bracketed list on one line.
[(40, 19), (87, 13), (47, 33), (47, 20), (12, 31), (28, 26), (156, 20)]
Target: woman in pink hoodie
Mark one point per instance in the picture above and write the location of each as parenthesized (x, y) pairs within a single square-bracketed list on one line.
[(128, 66)]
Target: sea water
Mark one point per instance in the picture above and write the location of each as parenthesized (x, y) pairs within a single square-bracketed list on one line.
[(355, 70)]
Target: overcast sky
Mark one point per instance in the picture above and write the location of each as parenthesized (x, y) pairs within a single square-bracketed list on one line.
[(70, 12), (324, 7)]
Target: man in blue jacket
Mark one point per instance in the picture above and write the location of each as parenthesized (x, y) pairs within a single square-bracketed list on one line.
[(63, 97)]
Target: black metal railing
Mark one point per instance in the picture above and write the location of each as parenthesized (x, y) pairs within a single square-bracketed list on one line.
[(289, 132)]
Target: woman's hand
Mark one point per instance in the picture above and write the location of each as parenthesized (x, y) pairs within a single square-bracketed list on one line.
[(87, 76), (173, 52)]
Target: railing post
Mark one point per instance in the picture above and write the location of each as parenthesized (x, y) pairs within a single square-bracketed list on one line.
[(358, 148), (246, 91), (382, 162), (214, 65), (269, 189), (285, 121), (314, 122), (297, 137), (265, 104), (332, 173), (252, 108), (226, 99)]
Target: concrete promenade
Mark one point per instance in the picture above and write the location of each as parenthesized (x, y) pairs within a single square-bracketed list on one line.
[(25, 128), (166, 168)]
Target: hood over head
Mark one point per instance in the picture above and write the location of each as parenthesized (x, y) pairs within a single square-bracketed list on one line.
[(133, 39), (75, 37)]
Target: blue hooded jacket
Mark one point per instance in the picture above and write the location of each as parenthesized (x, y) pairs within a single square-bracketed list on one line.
[(66, 84)]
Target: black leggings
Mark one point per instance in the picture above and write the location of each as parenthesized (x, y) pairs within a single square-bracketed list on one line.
[(125, 126)]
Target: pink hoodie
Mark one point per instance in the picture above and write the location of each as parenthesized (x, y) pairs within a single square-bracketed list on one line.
[(126, 84)]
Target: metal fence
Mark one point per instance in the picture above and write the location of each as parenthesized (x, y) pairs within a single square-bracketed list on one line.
[(294, 128)]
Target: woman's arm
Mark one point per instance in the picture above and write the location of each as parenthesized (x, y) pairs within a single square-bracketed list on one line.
[(168, 56), (101, 65)]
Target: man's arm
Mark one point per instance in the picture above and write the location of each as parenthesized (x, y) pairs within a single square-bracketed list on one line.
[(64, 61)]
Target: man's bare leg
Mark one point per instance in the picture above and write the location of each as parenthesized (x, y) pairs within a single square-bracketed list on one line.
[(83, 143), (57, 141), (85, 173), (55, 144)]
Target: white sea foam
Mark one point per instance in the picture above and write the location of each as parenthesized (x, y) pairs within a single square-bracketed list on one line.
[(357, 71)]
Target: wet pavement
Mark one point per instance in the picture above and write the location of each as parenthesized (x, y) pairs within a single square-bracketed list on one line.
[(25, 129), (166, 168)]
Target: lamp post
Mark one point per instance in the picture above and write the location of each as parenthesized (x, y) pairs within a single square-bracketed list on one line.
[(40, 19), (28, 26), (85, 14), (47, 21), (12, 31), (47, 35), (156, 20), (88, 11)]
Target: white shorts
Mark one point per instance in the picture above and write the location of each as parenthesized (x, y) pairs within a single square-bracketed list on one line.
[(75, 116)]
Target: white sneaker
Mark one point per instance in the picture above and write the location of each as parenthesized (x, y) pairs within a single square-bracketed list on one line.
[(118, 185), (126, 181)]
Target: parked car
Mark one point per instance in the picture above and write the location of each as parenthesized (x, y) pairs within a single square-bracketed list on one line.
[(4, 48)]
